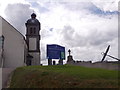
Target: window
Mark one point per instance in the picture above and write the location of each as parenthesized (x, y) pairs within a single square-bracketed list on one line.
[(30, 30), (34, 30), (2, 38)]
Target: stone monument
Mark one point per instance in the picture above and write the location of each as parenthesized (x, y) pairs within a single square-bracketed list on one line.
[(70, 57)]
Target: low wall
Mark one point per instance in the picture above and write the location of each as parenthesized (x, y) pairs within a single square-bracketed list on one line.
[(105, 65)]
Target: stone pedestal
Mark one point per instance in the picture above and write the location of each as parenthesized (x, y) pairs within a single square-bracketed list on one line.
[(54, 63), (49, 61), (70, 58), (60, 62)]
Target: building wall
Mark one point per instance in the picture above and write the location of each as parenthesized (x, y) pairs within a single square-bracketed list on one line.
[(0, 26), (36, 58), (0, 41), (0, 54), (14, 46)]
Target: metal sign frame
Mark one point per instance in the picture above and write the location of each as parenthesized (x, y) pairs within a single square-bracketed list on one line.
[(105, 54)]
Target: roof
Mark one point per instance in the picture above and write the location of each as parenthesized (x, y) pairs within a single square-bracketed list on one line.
[(33, 21)]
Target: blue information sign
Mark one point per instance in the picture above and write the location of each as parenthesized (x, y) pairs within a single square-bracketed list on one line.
[(55, 52)]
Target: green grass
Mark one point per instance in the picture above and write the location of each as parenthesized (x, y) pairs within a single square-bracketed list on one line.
[(65, 76)]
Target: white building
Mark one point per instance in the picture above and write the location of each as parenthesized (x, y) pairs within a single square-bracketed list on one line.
[(14, 51)]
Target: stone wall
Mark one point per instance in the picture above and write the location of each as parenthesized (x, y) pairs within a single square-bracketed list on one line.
[(104, 65)]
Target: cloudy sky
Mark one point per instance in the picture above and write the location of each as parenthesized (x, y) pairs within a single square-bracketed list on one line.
[(86, 27)]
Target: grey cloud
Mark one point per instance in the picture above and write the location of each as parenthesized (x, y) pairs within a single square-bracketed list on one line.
[(68, 32), (95, 37), (17, 15), (98, 37), (67, 35), (89, 47), (71, 38)]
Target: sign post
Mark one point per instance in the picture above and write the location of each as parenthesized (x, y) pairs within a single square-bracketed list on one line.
[(55, 51)]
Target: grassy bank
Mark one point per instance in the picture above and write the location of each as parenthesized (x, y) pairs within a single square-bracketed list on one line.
[(63, 77)]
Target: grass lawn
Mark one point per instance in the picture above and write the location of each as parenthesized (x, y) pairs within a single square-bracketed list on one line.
[(65, 76)]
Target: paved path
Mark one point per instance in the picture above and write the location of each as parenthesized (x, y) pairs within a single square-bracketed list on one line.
[(0, 78), (5, 76)]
